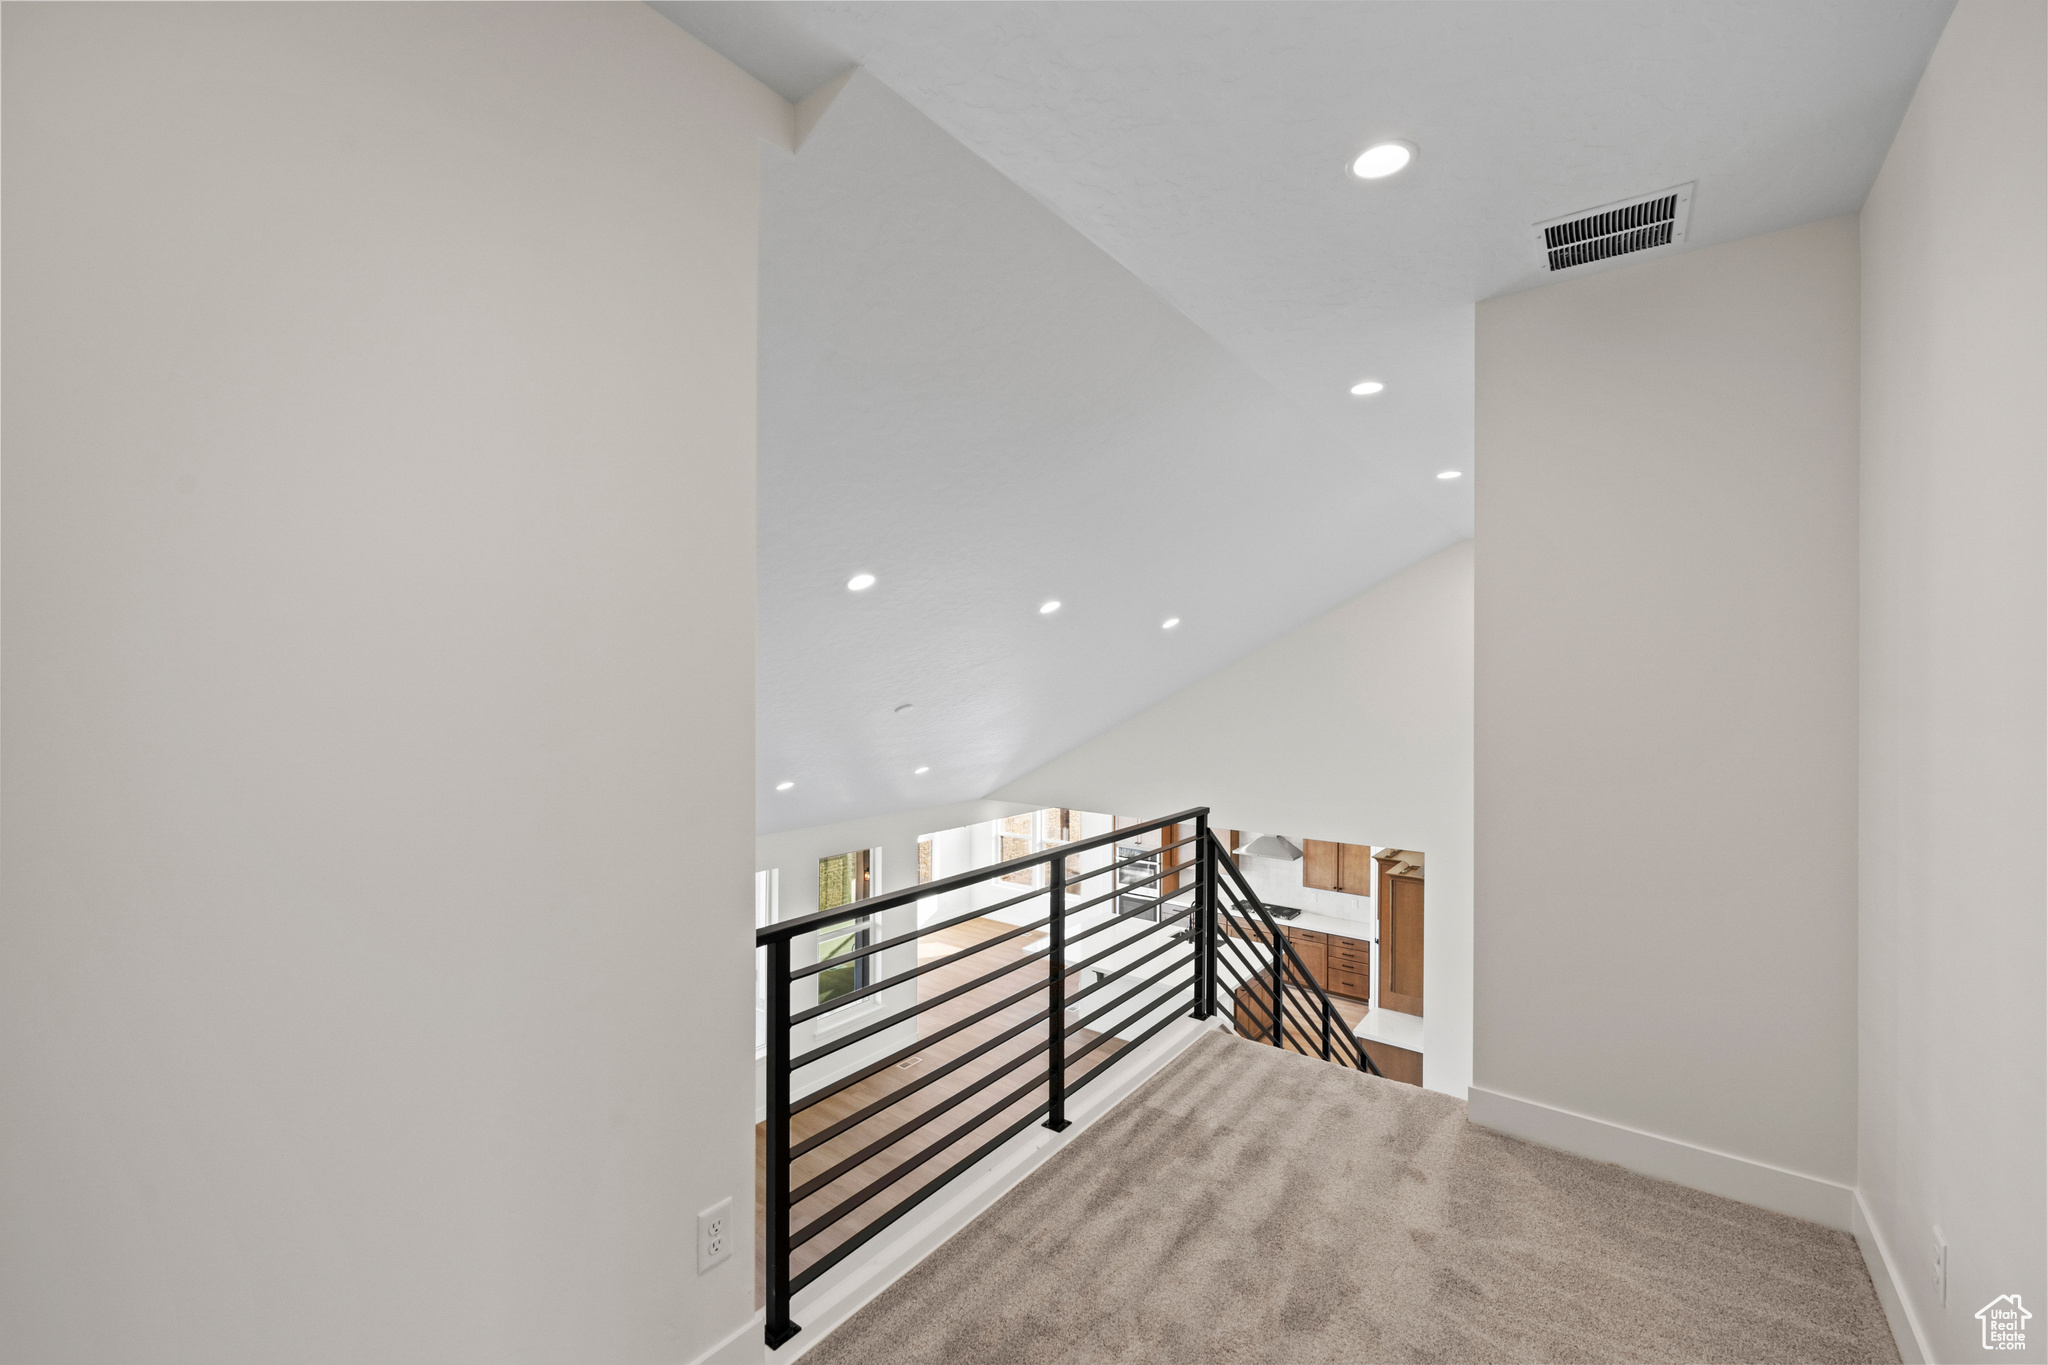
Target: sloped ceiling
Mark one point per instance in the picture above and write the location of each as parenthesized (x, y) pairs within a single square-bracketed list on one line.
[(1063, 300)]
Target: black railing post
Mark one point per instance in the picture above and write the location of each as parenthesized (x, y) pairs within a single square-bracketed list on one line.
[(1056, 999), (1279, 984), (1205, 921), (1326, 1033), (776, 1223)]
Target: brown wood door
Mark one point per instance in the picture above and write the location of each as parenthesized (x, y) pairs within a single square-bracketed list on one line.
[(1400, 943), (1319, 864), (1354, 869)]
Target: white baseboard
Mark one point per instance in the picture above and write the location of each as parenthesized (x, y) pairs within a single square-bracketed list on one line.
[(741, 1346), (853, 1284), (1884, 1274), (1682, 1163)]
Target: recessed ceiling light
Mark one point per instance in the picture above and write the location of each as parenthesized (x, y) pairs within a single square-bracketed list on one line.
[(784, 786), (919, 772), (1366, 388), (1452, 474), (905, 707), (1049, 608), (860, 582), (1382, 159), (1169, 623)]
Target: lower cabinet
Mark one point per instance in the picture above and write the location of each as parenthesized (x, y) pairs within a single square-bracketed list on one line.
[(1341, 966), (1395, 1063)]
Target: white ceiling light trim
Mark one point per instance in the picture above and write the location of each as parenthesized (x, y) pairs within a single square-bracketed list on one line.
[(860, 582), (1383, 159), (1366, 388), (1049, 608)]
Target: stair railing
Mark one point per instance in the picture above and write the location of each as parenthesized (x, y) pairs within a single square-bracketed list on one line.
[(835, 1175), (822, 1202), (1277, 1000)]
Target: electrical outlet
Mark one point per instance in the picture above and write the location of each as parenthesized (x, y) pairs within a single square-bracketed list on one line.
[(714, 1235), (1940, 1268)]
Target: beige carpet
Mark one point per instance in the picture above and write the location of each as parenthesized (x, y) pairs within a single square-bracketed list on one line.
[(1251, 1205)]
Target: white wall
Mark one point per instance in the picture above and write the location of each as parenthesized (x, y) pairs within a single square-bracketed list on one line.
[(1666, 688), (1953, 1128), (379, 677), (1357, 726)]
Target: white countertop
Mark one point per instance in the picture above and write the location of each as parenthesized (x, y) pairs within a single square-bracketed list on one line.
[(1392, 1028), (1347, 927)]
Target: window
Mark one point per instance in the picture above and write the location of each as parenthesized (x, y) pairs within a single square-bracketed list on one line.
[(843, 879), (1013, 840), (1018, 836)]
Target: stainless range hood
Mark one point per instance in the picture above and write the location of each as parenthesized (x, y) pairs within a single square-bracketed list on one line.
[(1270, 846)]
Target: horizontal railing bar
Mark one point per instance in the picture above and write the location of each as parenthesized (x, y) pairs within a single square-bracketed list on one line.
[(911, 937), (1243, 962), (1146, 856), (889, 900), (904, 1016), (1278, 938), (1131, 1046), (860, 1239), (862, 1115), (1105, 1035), (901, 939), (901, 977), (884, 1063), (896, 1173), (1144, 985), (1129, 966), (1132, 887), (1293, 958), (924, 967), (817, 1054), (896, 1135), (1151, 927)]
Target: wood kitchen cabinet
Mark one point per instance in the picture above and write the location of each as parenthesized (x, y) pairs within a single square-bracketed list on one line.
[(1313, 951), (1340, 965), (1330, 866), (1395, 1063), (1400, 934)]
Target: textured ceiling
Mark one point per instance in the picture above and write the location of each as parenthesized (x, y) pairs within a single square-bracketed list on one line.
[(1063, 300)]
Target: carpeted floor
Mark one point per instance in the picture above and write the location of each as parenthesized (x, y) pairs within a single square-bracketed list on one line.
[(1252, 1205)]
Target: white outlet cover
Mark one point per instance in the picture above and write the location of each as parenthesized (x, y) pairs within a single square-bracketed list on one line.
[(714, 1235)]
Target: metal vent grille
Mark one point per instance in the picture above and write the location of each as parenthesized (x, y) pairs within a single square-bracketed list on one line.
[(1616, 229)]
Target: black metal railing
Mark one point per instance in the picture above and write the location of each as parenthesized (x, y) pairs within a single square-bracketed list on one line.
[(840, 1161)]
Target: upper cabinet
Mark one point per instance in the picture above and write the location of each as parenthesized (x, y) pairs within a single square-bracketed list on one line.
[(1328, 866)]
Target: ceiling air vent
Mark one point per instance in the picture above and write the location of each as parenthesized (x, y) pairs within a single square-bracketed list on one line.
[(1633, 225)]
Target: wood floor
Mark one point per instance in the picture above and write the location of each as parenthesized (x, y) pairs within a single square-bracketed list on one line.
[(944, 1140)]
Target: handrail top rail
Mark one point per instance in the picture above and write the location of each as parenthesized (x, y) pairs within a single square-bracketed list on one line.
[(890, 900)]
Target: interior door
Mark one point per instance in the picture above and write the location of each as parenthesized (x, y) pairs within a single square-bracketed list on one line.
[(1400, 943)]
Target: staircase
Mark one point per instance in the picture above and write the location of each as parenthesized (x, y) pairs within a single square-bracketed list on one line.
[(963, 1036)]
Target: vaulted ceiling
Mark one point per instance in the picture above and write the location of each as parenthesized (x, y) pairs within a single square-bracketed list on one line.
[(1063, 302)]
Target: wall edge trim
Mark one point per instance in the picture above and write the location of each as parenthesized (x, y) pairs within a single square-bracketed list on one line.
[(1884, 1278), (734, 1347), (1683, 1163)]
